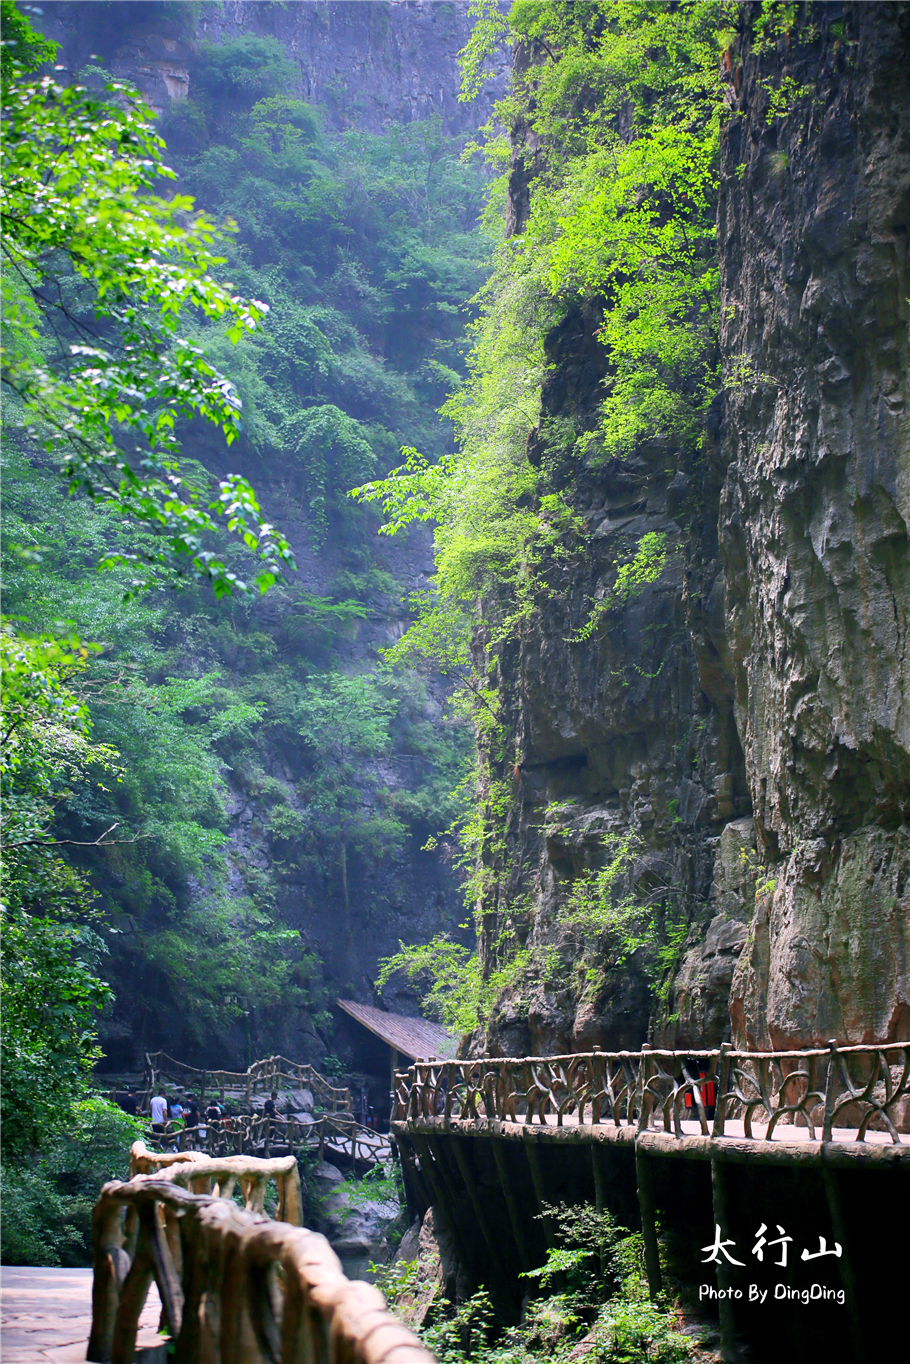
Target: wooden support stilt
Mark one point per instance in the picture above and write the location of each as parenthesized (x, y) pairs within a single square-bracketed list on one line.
[(539, 1191), (441, 1201), (524, 1255), (600, 1201), (724, 1278), (408, 1178), (421, 1189), (449, 1176), (493, 1245), (644, 1178), (845, 1264)]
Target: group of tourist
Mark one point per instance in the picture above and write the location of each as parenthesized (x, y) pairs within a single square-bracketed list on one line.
[(173, 1116)]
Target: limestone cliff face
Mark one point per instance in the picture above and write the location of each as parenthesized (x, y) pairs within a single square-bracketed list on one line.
[(627, 730), (367, 64), (768, 669), (815, 519)]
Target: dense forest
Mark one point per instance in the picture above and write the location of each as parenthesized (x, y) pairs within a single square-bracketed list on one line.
[(364, 249), (164, 685)]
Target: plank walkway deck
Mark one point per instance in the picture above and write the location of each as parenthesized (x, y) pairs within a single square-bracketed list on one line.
[(46, 1315)]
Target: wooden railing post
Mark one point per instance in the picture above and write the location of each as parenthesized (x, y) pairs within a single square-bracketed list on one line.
[(644, 1095), (830, 1092), (723, 1086), (221, 1283)]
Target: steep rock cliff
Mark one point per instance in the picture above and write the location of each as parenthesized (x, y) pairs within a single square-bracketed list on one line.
[(767, 668), (815, 518), (626, 728)]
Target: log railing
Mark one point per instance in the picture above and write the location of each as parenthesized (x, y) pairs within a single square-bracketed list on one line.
[(861, 1087), (235, 1287), (274, 1072), (252, 1133)]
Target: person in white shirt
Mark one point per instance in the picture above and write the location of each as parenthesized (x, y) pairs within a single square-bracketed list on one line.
[(158, 1110)]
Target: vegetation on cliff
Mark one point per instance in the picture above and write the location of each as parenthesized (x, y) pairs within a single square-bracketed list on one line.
[(608, 148)]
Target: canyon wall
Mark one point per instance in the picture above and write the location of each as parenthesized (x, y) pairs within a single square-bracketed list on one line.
[(815, 519), (746, 717), (366, 64)]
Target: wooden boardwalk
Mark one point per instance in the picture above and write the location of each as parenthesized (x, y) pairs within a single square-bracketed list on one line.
[(46, 1315), (681, 1144)]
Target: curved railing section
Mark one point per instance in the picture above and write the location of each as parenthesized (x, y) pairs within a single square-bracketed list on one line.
[(252, 1134), (234, 1285), (203, 1174), (857, 1087), (274, 1072)]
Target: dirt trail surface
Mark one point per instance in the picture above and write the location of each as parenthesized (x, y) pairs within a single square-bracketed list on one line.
[(47, 1315)]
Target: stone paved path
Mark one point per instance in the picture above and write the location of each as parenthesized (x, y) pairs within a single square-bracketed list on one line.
[(46, 1314)]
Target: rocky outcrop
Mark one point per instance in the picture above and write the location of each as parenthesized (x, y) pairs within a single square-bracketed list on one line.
[(429, 1271), (705, 976), (815, 520), (357, 1231)]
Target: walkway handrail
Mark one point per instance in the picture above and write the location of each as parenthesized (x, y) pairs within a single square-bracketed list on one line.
[(820, 1087), (235, 1287), (274, 1072)]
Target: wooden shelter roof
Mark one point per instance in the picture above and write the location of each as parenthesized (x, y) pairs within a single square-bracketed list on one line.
[(413, 1037)]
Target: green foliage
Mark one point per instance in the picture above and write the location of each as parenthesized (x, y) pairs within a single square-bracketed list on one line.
[(628, 100), (51, 992), (51, 996), (332, 450), (459, 992), (244, 68), (453, 972), (486, 35), (598, 902), (630, 215), (645, 568), (47, 1205), (380, 1185), (598, 1267), (98, 271), (485, 530), (22, 49), (612, 920)]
